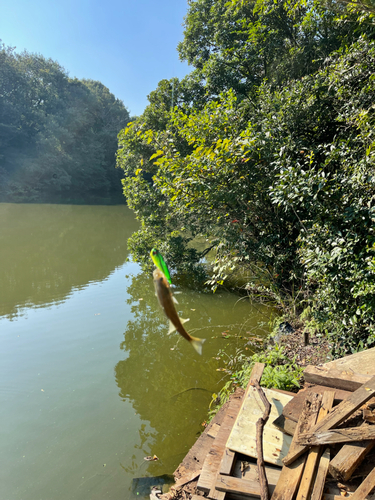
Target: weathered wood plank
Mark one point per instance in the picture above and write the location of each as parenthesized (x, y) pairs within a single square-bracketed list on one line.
[(291, 474), (292, 410), (337, 415), (318, 486), (230, 484), (213, 459), (314, 453), (256, 373), (364, 432), (227, 462), (187, 478), (366, 487), (332, 377), (361, 362), (249, 472), (343, 465), (285, 425), (213, 431)]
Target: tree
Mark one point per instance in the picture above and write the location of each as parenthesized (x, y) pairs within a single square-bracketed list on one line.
[(58, 136)]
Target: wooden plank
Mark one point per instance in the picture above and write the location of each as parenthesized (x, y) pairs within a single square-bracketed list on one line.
[(338, 414), (242, 438), (213, 459), (291, 474), (249, 472), (285, 425), (314, 453), (366, 487), (292, 410), (212, 432), (347, 373), (227, 462), (219, 445), (333, 436), (331, 377), (230, 484), (343, 465), (318, 486), (256, 372), (361, 362), (187, 478)]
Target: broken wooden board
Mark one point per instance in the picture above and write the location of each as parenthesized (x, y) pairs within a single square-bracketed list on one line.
[(290, 476), (313, 457), (285, 425), (366, 487), (340, 413), (292, 410), (333, 436), (349, 458), (242, 438), (318, 487)]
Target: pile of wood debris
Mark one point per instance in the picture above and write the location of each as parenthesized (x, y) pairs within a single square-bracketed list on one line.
[(313, 444)]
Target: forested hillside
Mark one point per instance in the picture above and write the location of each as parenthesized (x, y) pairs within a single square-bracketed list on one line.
[(58, 135), (267, 149)]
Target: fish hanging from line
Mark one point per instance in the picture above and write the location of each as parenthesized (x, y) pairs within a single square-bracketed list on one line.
[(164, 295), (159, 262)]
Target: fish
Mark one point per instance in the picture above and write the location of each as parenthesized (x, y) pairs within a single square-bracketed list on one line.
[(159, 262), (164, 295)]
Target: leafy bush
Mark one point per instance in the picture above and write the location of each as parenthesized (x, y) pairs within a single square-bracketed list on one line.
[(279, 373)]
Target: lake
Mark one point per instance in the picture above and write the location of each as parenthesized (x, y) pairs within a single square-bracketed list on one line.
[(90, 381)]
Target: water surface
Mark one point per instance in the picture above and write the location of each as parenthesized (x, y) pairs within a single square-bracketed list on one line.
[(90, 382)]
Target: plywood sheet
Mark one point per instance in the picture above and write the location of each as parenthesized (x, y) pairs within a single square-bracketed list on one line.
[(243, 436)]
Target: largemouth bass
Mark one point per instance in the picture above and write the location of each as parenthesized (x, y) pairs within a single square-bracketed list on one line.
[(159, 262), (163, 293)]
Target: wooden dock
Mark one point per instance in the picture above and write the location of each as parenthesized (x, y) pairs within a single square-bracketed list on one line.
[(317, 444)]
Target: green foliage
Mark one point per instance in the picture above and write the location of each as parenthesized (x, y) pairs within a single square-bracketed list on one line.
[(279, 373), (236, 45), (58, 136), (268, 153)]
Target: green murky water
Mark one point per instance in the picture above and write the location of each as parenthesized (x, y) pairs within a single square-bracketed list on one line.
[(90, 382)]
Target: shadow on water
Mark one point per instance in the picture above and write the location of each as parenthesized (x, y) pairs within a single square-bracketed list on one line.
[(48, 250)]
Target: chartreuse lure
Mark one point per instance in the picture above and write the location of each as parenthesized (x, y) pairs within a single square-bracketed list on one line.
[(158, 260)]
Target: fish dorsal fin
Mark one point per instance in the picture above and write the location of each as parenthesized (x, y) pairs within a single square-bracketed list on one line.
[(184, 320)]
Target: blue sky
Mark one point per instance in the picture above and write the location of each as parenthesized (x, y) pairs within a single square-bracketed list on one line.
[(128, 45)]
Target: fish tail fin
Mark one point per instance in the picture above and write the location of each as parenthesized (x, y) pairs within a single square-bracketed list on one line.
[(197, 344)]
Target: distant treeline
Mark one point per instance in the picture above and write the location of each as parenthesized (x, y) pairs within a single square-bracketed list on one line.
[(58, 135)]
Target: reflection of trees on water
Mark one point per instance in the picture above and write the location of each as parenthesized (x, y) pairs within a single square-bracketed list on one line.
[(47, 250), (153, 376)]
